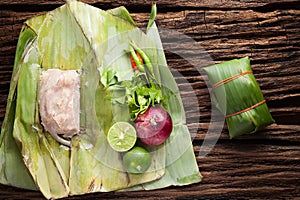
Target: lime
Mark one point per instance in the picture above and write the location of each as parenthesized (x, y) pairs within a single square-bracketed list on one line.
[(121, 136), (137, 160)]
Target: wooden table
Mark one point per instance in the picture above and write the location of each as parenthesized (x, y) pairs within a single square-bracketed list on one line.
[(263, 165)]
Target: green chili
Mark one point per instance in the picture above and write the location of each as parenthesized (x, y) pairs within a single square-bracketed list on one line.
[(144, 56), (137, 61)]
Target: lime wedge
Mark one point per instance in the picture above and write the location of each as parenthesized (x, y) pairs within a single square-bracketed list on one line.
[(121, 136)]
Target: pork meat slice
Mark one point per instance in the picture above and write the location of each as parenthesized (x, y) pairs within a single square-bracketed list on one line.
[(59, 101)]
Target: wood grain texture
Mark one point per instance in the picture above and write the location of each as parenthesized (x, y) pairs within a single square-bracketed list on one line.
[(263, 165)]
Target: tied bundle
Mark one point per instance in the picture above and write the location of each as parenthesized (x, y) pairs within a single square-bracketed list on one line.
[(237, 95)]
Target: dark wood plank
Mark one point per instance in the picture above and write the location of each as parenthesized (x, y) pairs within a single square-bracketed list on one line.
[(165, 4), (263, 165)]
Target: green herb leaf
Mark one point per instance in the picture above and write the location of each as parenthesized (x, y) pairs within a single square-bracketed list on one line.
[(108, 77), (135, 93)]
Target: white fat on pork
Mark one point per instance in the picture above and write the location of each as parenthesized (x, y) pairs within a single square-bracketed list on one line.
[(59, 101)]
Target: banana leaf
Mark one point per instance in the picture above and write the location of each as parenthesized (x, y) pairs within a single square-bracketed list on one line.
[(13, 170), (80, 37), (238, 96)]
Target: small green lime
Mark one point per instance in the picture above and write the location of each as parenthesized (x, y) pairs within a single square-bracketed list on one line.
[(121, 136), (137, 160)]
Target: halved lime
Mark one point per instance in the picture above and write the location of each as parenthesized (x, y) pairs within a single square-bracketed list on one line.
[(121, 136), (137, 160)]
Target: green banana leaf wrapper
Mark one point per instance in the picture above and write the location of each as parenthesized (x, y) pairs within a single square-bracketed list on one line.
[(238, 96), (77, 36)]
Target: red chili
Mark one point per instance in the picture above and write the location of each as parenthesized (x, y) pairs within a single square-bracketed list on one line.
[(135, 68)]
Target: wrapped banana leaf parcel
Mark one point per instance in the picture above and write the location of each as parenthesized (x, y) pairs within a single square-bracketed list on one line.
[(93, 107), (237, 95)]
